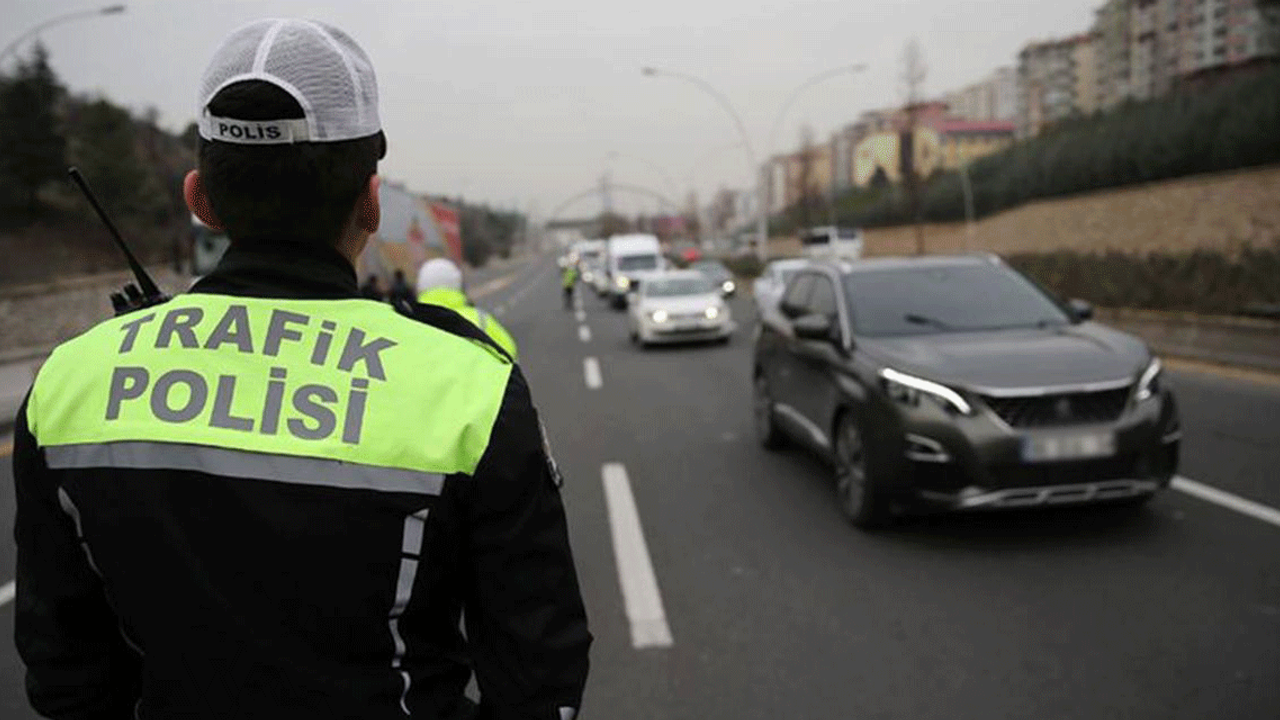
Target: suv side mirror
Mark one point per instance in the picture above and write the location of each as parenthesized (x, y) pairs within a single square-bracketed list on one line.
[(813, 327), (1081, 309)]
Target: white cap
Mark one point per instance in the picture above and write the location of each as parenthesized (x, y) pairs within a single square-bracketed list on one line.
[(439, 273), (319, 65)]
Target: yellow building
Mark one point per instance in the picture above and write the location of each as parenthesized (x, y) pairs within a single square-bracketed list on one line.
[(944, 145)]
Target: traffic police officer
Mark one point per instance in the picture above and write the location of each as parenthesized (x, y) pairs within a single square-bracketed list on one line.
[(270, 498), (440, 283)]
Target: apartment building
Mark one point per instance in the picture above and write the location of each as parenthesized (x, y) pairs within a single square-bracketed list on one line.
[(1057, 79), (994, 98)]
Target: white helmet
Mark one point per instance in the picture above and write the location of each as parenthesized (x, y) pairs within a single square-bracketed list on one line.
[(439, 273)]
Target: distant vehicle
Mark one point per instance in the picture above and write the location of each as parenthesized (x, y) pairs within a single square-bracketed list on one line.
[(718, 274), (630, 259), (589, 255), (767, 288), (832, 242), (679, 306), (955, 383)]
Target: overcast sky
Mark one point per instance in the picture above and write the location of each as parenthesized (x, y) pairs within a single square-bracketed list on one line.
[(521, 103)]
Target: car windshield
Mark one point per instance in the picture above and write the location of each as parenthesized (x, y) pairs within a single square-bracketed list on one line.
[(713, 269), (924, 300), (671, 287), (638, 262)]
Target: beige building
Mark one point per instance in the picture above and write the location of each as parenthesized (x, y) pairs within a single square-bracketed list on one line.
[(1057, 79), (1147, 47), (992, 98)]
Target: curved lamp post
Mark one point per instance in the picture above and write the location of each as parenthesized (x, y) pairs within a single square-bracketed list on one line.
[(13, 46), (762, 227)]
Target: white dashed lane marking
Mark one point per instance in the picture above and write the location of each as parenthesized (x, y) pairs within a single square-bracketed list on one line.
[(640, 596), (584, 333), (591, 370)]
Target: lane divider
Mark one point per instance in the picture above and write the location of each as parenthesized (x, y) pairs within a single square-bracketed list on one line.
[(1222, 498), (591, 371), (640, 596), (584, 333)]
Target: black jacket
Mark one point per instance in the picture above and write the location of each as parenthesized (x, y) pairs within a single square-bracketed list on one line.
[(189, 595)]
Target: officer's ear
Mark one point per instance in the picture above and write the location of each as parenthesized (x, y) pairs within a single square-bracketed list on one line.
[(198, 200), (368, 209)]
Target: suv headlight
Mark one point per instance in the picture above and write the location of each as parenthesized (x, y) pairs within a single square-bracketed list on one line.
[(623, 282), (728, 286), (907, 390), (1149, 381), (712, 312), (659, 316)]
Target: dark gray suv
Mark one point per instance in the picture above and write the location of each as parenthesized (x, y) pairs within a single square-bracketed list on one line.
[(956, 383)]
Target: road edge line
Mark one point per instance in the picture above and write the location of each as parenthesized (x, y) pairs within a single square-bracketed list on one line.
[(1222, 498)]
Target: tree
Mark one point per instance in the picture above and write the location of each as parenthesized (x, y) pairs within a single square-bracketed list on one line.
[(103, 144), (32, 150), (805, 201), (914, 72)]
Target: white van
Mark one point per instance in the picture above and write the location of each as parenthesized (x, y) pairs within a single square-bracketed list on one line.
[(832, 242), (631, 259)]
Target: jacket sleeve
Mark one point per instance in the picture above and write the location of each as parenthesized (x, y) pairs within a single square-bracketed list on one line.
[(524, 612), (78, 665)]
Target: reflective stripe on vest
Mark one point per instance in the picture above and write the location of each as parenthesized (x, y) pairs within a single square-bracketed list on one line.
[(337, 381)]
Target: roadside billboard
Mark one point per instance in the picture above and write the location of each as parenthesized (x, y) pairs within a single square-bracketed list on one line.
[(413, 229)]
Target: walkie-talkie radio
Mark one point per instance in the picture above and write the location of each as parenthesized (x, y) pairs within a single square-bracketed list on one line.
[(132, 296)]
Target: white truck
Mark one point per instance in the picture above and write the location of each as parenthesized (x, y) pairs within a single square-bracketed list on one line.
[(629, 261)]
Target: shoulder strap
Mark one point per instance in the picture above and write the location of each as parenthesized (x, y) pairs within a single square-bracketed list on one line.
[(443, 318)]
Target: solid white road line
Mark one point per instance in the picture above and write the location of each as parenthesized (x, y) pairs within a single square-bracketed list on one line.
[(635, 570), (591, 369), (1255, 510), (7, 591), (584, 333)]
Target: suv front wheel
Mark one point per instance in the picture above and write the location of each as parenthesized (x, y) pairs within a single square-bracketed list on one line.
[(861, 499)]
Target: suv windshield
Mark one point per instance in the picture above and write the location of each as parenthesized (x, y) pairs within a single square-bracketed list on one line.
[(917, 301), (638, 262), (678, 286)]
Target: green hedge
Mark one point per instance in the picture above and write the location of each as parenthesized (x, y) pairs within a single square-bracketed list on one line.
[(1202, 281), (1230, 125)]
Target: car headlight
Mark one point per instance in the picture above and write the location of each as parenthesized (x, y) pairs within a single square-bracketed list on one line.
[(907, 390), (728, 286), (713, 312), (1149, 382), (659, 316), (623, 282)]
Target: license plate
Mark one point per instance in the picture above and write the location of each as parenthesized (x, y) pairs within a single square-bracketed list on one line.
[(1068, 446)]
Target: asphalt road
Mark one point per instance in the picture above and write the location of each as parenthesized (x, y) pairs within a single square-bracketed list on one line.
[(776, 607)]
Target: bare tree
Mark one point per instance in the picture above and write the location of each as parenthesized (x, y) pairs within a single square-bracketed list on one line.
[(914, 72), (804, 180)]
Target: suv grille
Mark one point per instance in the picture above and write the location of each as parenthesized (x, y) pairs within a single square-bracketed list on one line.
[(1056, 410)]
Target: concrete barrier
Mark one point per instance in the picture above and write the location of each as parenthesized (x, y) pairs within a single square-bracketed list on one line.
[(1243, 342)]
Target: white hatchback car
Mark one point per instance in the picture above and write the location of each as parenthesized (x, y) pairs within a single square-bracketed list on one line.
[(769, 286), (679, 306)]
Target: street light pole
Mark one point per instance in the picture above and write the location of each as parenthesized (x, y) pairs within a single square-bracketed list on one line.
[(13, 46), (762, 226), (795, 95)]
